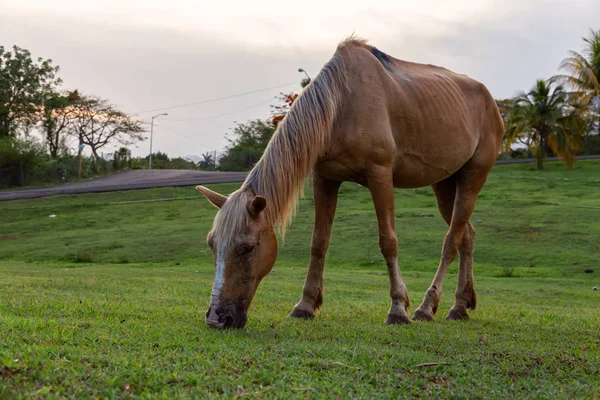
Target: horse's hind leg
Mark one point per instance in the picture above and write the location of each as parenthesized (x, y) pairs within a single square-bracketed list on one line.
[(325, 194), (468, 182), (465, 297)]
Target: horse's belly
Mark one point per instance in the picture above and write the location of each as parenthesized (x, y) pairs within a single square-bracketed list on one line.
[(412, 171)]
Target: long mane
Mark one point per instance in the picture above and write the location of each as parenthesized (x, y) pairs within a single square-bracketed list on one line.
[(300, 139)]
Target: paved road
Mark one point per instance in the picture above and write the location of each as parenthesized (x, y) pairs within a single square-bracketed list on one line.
[(136, 179), (145, 179), (532, 160)]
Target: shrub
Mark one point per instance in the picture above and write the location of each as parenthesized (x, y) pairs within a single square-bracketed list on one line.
[(18, 158)]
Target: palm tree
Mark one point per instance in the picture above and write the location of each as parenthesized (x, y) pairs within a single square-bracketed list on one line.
[(583, 77), (584, 69), (513, 132), (546, 116), (207, 163)]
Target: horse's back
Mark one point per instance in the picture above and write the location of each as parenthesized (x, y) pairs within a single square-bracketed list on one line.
[(438, 120), (425, 120)]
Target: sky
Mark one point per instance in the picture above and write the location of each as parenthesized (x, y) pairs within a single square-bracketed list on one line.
[(148, 55)]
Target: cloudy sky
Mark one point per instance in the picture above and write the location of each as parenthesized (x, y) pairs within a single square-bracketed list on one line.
[(146, 55)]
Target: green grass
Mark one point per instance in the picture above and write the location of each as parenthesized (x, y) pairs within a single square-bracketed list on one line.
[(107, 299)]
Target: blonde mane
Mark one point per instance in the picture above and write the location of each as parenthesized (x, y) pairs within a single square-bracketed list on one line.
[(300, 139)]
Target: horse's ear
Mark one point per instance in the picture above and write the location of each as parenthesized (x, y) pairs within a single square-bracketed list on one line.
[(217, 199), (257, 206)]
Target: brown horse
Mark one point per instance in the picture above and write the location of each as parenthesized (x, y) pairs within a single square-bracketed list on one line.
[(383, 123)]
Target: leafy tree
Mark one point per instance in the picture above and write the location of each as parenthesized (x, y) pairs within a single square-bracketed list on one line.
[(121, 158), (158, 156), (249, 141), (18, 156), (239, 159), (161, 160), (95, 122), (24, 87), (179, 163), (56, 116), (254, 134), (547, 117)]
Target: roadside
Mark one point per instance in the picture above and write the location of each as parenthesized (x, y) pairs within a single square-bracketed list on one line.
[(147, 179), (130, 180)]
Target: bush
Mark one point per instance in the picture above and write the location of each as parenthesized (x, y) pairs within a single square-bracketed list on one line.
[(18, 158), (239, 159), (591, 145), (23, 162)]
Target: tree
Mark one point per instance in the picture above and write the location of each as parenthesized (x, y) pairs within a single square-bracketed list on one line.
[(584, 69), (249, 141), (180, 163), (56, 117), (95, 122), (24, 87), (160, 160), (158, 156), (279, 112), (252, 135), (121, 158), (207, 163), (545, 114), (583, 76), (18, 156), (512, 129)]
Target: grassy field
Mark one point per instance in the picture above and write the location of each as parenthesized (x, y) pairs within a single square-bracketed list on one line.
[(107, 299)]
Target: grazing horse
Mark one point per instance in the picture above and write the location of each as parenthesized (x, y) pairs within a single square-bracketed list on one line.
[(377, 121)]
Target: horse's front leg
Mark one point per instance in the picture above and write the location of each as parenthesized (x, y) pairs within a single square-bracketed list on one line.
[(325, 194), (382, 192)]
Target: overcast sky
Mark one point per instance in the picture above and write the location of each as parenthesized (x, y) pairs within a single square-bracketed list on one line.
[(152, 54)]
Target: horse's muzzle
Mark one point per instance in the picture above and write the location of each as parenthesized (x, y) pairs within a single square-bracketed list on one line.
[(226, 317)]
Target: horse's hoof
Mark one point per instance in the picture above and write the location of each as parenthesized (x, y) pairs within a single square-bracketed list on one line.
[(397, 319), (304, 314), (457, 315), (421, 315)]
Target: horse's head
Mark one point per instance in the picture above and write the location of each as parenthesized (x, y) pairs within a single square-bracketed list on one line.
[(244, 248)]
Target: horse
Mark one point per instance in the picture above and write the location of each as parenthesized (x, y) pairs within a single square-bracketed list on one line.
[(377, 121)]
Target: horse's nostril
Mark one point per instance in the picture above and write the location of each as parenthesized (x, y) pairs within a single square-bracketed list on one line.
[(208, 312), (228, 321)]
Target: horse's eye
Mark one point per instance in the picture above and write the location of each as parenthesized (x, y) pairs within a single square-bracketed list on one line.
[(245, 249)]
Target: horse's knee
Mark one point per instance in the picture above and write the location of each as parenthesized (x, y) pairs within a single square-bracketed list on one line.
[(319, 247), (388, 244)]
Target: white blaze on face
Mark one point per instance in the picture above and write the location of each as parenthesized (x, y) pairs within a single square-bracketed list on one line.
[(219, 273)]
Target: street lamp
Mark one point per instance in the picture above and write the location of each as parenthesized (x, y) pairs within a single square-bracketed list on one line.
[(302, 70), (151, 135), (306, 81)]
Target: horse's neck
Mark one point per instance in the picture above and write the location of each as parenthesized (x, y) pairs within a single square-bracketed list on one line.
[(300, 139), (279, 176)]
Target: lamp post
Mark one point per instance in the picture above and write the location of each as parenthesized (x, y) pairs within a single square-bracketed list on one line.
[(151, 135), (306, 81)]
